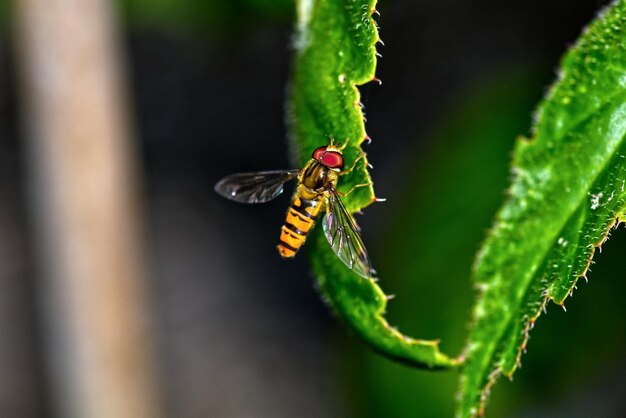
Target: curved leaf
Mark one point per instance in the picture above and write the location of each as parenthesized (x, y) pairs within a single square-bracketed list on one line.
[(568, 192), (335, 53)]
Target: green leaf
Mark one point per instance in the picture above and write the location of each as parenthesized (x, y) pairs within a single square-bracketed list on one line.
[(335, 53), (567, 193)]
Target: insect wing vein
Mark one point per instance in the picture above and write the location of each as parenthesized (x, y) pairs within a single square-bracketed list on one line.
[(256, 187), (343, 236)]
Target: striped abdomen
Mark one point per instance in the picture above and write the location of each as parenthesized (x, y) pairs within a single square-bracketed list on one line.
[(300, 219)]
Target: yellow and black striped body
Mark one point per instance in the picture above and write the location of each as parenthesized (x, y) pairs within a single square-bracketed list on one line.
[(308, 200), (300, 219)]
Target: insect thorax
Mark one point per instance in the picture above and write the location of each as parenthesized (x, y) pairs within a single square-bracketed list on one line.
[(317, 178)]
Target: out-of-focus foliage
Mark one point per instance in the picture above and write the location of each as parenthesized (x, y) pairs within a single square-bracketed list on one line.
[(202, 15), (567, 193), (5, 10), (336, 52)]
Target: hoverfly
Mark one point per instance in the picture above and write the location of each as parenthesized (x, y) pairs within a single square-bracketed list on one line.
[(316, 191)]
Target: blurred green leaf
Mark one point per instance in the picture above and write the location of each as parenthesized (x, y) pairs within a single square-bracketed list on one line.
[(335, 53), (204, 14), (5, 14), (567, 193)]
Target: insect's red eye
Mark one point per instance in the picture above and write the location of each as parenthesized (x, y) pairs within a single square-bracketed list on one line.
[(317, 154), (332, 159)]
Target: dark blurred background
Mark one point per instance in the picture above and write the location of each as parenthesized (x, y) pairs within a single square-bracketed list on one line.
[(241, 333)]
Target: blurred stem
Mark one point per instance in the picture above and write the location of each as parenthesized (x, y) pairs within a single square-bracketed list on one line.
[(82, 166)]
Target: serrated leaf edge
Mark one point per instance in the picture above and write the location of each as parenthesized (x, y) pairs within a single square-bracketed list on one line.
[(529, 323), (305, 11)]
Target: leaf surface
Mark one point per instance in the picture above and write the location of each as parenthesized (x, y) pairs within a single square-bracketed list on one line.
[(335, 53), (566, 195)]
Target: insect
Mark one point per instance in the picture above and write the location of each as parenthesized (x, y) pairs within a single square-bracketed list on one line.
[(316, 191)]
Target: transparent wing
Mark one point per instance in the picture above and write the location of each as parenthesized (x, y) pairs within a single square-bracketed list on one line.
[(343, 235), (258, 187)]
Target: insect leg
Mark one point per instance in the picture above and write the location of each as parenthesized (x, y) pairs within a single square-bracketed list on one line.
[(352, 189), (360, 157)]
